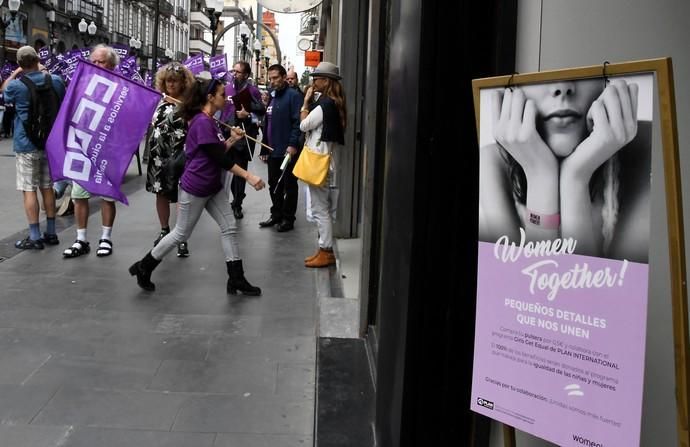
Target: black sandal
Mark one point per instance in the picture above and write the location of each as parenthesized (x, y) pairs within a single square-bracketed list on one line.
[(105, 248), (77, 249)]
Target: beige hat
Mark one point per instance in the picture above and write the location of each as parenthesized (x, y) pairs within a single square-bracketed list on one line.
[(26, 51), (327, 70)]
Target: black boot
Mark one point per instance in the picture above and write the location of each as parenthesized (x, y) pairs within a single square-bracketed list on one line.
[(143, 269), (237, 281)]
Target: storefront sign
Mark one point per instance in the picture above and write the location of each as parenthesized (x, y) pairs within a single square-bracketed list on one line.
[(312, 58)]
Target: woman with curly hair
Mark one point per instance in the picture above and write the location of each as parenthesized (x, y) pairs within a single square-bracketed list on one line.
[(167, 138)]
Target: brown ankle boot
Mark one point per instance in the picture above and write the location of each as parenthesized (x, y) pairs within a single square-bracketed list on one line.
[(312, 257), (324, 258)]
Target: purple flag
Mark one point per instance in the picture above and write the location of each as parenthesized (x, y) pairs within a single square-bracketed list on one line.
[(54, 65), (121, 50), (43, 54), (128, 68), (101, 121), (7, 69), (195, 64), (218, 65), (148, 79), (71, 60)]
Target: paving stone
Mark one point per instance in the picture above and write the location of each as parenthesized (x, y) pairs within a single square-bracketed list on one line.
[(252, 413), (87, 407), (100, 437)]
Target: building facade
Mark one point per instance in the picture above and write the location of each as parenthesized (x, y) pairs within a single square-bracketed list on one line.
[(56, 23)]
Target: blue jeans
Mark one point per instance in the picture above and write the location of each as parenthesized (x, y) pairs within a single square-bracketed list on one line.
[(190, 208)]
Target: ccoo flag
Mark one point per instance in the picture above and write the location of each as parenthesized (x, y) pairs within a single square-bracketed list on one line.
[(99, 126)]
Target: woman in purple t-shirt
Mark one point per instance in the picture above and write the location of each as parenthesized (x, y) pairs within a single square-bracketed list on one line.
[(201, 187)]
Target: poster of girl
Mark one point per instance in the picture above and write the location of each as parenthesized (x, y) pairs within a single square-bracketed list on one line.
[(569, 159)]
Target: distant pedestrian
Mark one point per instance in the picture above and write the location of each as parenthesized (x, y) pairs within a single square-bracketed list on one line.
[(106, 57), (201, 187), (247, 116), (281, 132), (293, 82), (32, 165), (166, 139), (323, 119)]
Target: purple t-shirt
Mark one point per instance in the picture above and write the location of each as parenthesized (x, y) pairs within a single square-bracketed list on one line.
[(202, 176)]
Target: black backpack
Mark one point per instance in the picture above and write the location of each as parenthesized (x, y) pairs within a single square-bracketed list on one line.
[(44, 104)]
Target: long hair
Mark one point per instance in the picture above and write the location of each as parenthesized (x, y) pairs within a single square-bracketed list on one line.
[(195, 98), (604, 183), (174, 70), (334, 90)]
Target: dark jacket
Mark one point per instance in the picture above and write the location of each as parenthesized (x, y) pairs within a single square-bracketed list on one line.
[(282, 118)]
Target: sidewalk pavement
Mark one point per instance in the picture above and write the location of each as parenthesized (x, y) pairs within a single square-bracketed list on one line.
[(89, 359)]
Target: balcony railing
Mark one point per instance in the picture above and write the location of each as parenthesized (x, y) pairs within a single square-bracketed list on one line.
[(182, 14), (199, 18), (309, 22), (180, 56), (120, 38), (164, 6), (88, 10)]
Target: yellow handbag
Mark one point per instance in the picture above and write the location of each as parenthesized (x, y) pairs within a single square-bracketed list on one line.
[(312, 167)]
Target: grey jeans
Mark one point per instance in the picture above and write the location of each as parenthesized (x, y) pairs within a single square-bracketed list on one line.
[(188, 213)]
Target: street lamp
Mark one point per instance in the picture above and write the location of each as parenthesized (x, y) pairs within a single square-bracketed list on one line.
[(84, 29), (50, 16), (257, 53), (135, 44), (244, 35), (5, 22), (214, 12)]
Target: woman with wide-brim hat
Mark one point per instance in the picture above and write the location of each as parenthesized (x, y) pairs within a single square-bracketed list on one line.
[(323, 119)]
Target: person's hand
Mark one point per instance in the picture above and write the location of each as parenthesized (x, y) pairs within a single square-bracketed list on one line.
[(255, 182), (308, 96), (237, 132), (42, 67), (514, 128), (242, 113), (235, 135), (291, 150), (263, 158), (612, 119)]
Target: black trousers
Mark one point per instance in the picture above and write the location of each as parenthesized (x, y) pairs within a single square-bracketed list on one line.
[(238, 184), (283, 194)]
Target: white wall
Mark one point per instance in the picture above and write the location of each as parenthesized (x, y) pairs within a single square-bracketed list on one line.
[(556, 34)]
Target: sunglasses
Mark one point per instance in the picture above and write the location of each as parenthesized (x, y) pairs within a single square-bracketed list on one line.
[(174, 67)]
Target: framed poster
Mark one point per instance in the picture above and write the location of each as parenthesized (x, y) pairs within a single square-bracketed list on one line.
[(562, 281)]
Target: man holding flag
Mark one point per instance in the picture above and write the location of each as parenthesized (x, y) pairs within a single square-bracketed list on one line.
[(100, 125)]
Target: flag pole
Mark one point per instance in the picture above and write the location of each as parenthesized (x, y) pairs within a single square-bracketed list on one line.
[(222, 123)]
